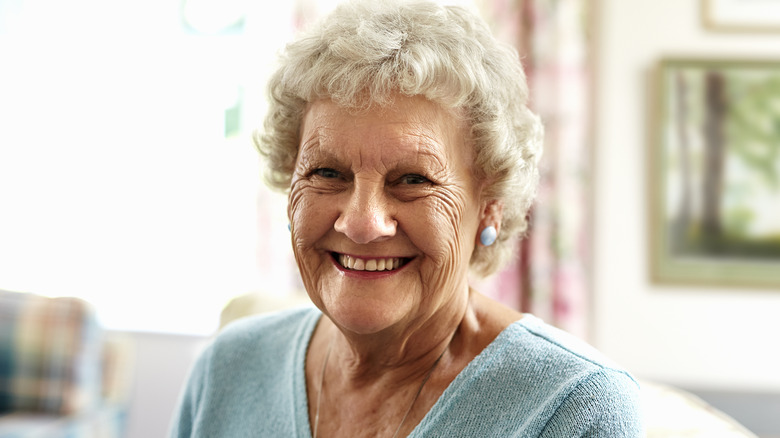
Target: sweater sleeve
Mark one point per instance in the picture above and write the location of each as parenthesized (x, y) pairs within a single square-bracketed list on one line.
[(186, 413), (605, 404)]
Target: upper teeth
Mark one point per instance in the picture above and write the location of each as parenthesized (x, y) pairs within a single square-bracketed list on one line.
[(357, 264)]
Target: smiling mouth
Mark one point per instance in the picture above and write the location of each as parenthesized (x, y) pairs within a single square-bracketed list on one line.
[(378, 264)]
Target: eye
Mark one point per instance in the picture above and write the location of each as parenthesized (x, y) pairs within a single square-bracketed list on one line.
[(413, 179), (326, 172)]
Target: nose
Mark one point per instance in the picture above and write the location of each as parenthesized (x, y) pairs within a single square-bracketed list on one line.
[(366, 217)]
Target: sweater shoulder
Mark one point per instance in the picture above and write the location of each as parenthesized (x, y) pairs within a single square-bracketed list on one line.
[(531, 360), (541, 340), (532, 378), (264, 335), (260, 326)]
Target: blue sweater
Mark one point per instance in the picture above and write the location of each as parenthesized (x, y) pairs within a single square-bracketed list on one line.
[(531, 381)]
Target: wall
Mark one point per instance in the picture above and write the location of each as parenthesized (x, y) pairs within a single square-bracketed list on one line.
[(162, 364), (116, 176), (716, 339)]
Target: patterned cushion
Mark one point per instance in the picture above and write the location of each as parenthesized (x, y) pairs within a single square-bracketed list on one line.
[(49, 354)]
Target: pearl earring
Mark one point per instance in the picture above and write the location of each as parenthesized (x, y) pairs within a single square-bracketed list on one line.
[(488, 235)]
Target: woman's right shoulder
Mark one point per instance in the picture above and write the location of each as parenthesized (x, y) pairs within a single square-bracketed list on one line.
[(245, 358), (266, 331)]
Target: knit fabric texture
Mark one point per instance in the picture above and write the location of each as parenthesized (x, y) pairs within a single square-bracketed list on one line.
[(532, 381)]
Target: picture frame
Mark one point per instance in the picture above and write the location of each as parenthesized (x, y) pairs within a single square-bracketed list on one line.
[(714, 178), (741, 15)]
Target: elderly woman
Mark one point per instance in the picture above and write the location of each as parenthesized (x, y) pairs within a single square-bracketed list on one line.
[(401, 134)]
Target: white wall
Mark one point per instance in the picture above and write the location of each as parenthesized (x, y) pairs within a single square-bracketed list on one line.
[(162, 364), (695, 337), (116, 180)]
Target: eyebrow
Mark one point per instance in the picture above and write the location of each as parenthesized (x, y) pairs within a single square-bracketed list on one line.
[(312, 152)]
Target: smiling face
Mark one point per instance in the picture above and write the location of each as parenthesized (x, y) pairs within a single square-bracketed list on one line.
[(385, 210)]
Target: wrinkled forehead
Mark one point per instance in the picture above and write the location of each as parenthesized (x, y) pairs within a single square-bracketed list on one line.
[(412, 126)]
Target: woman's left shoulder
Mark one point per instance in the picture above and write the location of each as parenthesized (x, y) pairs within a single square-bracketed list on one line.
[(584, 392), (524, 343), (536, 380), (547, 357), (534, 335)]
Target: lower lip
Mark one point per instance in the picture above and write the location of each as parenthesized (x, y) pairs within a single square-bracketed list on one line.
[(372, 275)]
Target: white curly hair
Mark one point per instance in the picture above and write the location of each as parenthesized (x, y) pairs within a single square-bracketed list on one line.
[(365, 52)]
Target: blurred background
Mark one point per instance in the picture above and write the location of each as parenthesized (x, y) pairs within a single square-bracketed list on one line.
[(129, 181)]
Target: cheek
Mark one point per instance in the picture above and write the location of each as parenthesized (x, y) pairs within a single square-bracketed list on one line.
[(309, 223), (298, 204), (447, 229), (308, 217)]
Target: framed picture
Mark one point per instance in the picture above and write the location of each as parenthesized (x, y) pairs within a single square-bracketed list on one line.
[(742, 15), (715, 177)]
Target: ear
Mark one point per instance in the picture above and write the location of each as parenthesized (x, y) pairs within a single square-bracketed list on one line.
[(491, 214)]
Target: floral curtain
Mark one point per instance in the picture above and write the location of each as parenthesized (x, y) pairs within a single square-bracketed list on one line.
[(550, 275)]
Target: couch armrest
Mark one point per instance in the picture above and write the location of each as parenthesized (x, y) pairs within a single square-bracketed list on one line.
[(119, 350), (672, 412), (50, 352)]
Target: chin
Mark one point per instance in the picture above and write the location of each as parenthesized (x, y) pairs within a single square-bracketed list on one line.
[(365, 316)]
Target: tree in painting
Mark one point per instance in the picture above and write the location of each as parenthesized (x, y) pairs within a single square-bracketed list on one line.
[(723, 161)]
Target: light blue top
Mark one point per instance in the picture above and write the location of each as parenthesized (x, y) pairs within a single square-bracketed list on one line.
[(531, 381)]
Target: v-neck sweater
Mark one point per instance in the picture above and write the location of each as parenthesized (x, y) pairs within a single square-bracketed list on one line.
[(533, 380)]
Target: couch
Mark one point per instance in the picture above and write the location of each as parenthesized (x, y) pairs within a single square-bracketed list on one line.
[(61, 374)]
